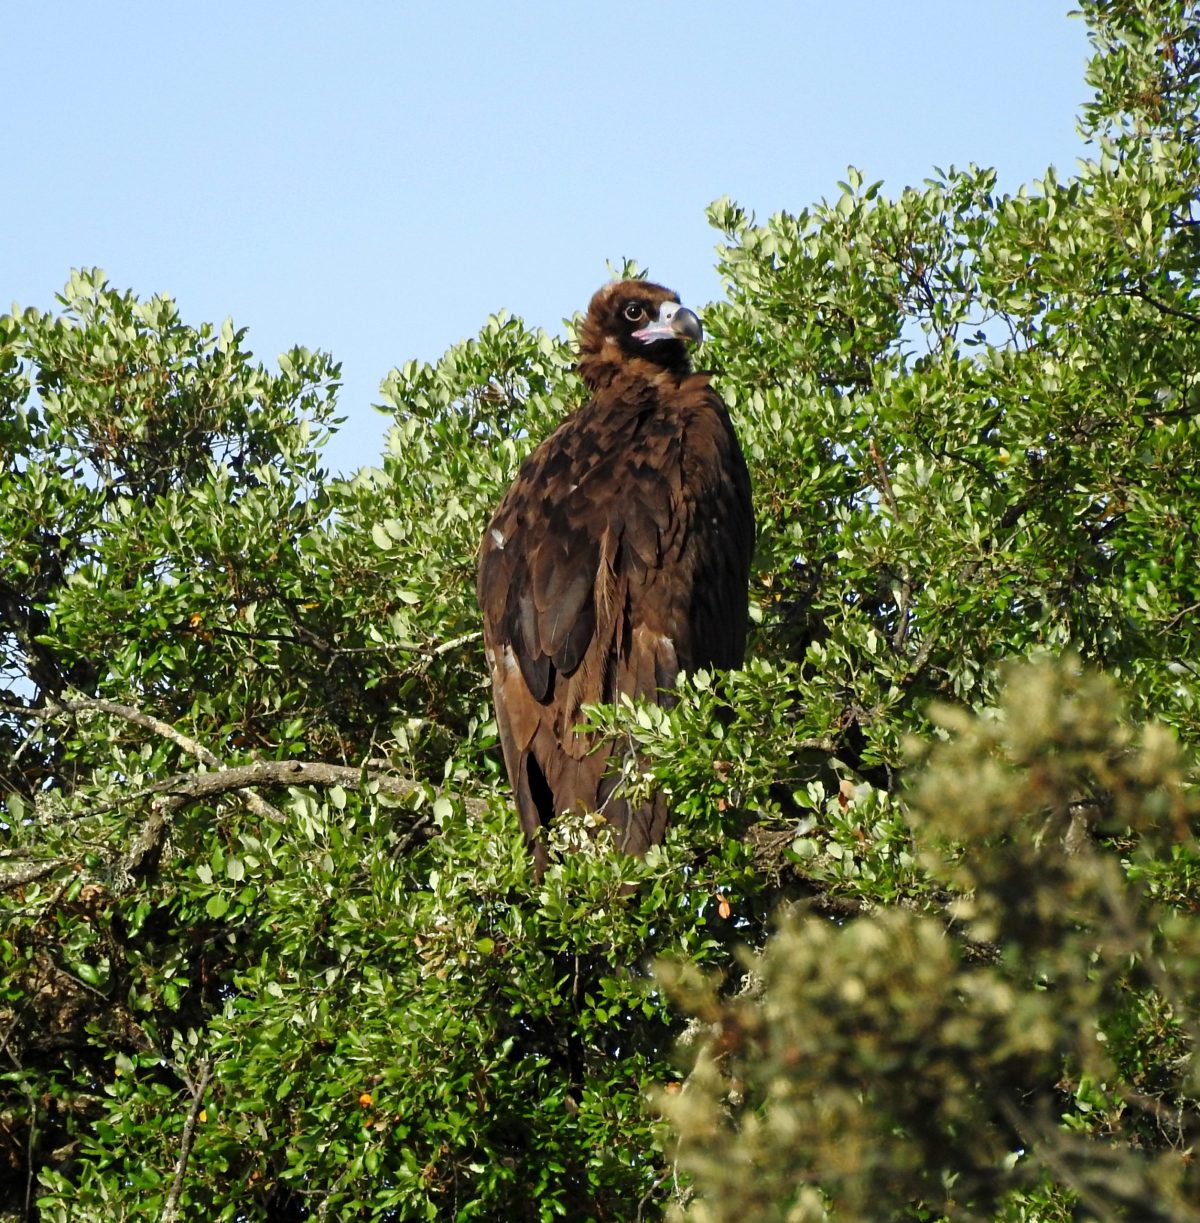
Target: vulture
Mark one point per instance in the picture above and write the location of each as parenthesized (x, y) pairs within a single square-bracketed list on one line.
[(618, 557)]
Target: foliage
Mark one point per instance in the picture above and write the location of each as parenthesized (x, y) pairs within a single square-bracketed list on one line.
[(271, 945), (878, 1066)]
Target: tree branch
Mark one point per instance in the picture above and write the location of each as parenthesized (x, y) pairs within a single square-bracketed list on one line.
[(184, 788), (170, 1210), (1143, 294), (90, 704), (128, 713), (904, 602), (31, 873), (189, 787)]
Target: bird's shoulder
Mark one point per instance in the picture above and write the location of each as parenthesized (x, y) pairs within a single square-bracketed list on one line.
[(632, 450)]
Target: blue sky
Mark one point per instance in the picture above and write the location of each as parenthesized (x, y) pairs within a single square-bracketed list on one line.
[(374, 179)]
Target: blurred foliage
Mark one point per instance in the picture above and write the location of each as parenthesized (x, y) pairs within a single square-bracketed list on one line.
[(271, 948), (881, 1069)]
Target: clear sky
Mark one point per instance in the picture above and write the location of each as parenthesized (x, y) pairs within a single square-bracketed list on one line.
[(374, 179)]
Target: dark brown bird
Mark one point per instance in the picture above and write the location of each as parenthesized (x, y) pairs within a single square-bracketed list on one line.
[(619, 556)]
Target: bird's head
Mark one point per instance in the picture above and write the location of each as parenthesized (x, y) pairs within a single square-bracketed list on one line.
[(633, 319)]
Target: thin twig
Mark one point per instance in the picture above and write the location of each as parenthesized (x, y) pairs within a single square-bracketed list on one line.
[(904, 602), (1043, 1147), (885, 481), (170, 1209), (1181, 615), (1143, 295), (308, 637), (30, 1148), (419, 828)]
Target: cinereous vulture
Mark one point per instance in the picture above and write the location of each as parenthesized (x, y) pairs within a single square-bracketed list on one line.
[(618, 557)]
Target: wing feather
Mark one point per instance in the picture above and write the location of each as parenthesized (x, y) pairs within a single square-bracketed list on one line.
[(619, 556)]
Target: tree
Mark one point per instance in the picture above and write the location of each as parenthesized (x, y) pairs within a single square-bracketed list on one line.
[(272, 948)]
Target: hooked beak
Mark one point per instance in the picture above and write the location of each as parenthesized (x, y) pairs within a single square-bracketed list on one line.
[(674, 322)]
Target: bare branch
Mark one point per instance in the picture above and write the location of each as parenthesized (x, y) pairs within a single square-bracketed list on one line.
[(87, 704), (148, 839), (184, 788), (189, 787), (904, 602), (1163, 307), (170, 1210), (30, 1149), (1183, 614), (31, 873), (885, 482)]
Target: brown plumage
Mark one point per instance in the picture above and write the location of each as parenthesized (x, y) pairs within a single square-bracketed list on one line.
[(619, 556)]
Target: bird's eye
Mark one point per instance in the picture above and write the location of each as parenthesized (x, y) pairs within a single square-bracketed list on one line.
[(634, 312)]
